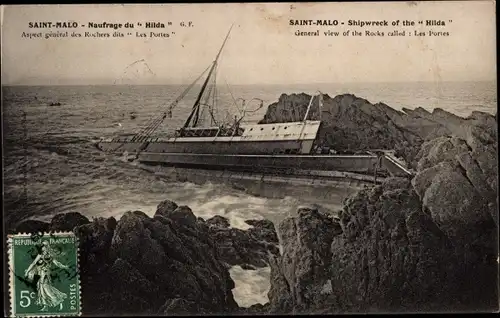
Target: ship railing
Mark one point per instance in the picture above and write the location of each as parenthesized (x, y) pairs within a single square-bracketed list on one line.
[(221, 131)]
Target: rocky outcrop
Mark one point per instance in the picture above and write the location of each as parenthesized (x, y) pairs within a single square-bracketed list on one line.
[(306, 243), (247, 248), (168, 264), (391, 255), (429, 243), (385, 254), (67, 221), (218, 222), (351, 124), (257, 309), (457, 184), (31, 226), (462, 169), (173, 263), (60, 222)]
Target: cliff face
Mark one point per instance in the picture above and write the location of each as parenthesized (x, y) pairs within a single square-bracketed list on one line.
[(387, 256), (425, 244), (350, 123)]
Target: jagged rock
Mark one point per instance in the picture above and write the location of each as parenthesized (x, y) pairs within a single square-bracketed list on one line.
[(257, 309), (136, 292), (32, 226), (146, 265), (280, 292), (458, 190), (188, 264), (95, 241), (439, 150), (351, 124), (165, 208), (451, 199), (486, 156), (180, 306), (392, 256), (250, 248), (263, 230), (67, 221), (451, 169), (403, 246), (218, 221), (374, 264), (303, 268), (127, 238), (183, 215)]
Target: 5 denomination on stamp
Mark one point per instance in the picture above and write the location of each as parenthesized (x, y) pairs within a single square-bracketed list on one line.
[(44, 275)]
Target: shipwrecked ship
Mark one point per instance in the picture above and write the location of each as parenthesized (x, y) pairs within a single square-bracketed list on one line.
[(283, 149)]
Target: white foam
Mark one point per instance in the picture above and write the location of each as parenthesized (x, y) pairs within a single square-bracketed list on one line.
[(251, 286), (236, 208)]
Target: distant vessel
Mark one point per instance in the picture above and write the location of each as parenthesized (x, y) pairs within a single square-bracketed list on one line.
[(284, 148)]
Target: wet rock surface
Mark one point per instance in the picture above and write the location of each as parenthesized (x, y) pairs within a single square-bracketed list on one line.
[(168, 264), (248, 248), (429, 243), (425, 244), (388, 255), (171, 264)]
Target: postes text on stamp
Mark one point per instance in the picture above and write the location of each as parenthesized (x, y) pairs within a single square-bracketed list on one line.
[(44, 275)]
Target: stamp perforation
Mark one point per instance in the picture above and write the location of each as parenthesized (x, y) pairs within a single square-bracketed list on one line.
[(11, 268)]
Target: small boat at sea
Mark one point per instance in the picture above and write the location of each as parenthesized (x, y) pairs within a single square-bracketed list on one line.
[(289, 148)]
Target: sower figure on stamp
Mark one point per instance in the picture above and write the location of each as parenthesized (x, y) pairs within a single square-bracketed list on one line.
[(48, 295)]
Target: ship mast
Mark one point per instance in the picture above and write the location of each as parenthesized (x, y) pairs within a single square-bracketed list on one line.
[(195, 112)]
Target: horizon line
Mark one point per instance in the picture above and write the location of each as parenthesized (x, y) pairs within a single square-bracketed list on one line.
[(249, 84)]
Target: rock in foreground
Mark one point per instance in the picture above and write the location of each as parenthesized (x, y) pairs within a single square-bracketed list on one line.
[(163, 265), (429, 244), (385, 254), (173, 263), (250, 248)]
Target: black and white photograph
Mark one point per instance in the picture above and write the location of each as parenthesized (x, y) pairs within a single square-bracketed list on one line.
[(250, 158)]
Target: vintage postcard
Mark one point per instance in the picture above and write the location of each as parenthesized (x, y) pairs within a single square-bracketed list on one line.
[(250, 158)]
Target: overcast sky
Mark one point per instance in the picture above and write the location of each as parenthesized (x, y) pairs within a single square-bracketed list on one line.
[(262, 47)]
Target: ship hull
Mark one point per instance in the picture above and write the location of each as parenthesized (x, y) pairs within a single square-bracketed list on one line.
[(281, 164), (211, 147), (252, 157)]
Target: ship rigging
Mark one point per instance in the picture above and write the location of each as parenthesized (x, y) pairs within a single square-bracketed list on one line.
[(285, 147), (205, 104)]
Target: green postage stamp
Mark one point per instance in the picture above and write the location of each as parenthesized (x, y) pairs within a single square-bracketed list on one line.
[(44, 275)]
